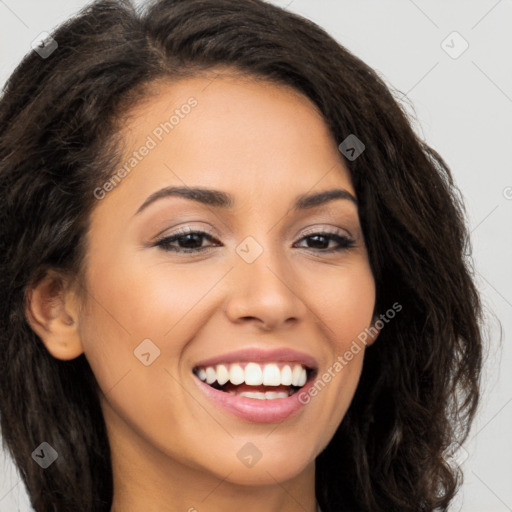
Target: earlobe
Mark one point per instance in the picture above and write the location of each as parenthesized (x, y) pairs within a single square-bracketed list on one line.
[(51, 309), (374, 330)]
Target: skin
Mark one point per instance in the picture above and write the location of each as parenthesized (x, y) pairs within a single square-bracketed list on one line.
[(172, 448)]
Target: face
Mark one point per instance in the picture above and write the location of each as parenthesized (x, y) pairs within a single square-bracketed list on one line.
[(250, 282)]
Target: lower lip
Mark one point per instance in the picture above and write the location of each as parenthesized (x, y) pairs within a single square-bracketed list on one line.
[(253, 409)]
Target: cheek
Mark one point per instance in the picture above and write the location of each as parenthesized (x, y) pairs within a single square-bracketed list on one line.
[(130, 303), (134, 302), (344, 304), (151, 297), (344, 301)]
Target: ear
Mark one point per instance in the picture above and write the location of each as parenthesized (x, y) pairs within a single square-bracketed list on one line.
[(374, 330), (51, 309)]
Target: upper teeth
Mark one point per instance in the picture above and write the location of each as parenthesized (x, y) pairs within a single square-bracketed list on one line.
[(254, 374)]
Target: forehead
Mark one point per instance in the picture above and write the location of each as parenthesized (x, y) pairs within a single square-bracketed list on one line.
[(226, 107), (251, 137)]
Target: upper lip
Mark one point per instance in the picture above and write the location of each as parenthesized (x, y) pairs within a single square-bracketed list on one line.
[(259, 355)]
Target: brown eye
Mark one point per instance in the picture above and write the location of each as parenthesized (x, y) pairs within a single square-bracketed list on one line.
[(188, 241), (321, 240)]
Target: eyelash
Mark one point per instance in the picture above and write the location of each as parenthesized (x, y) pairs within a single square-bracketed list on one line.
[(344, 242)]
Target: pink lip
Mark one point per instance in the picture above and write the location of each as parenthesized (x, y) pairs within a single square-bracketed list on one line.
[(259, 355), (254, 410)]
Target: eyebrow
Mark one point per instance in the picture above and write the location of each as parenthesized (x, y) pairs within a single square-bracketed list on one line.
[(219, 199)]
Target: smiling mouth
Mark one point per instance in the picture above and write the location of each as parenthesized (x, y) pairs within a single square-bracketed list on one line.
[(267, 381)]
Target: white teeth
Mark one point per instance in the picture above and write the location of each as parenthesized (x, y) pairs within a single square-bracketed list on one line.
[(271, 395), (286, 376), (222, 374), (211, 376), (201, 373), (236, 374), (297, 375), (254, 374), (260, 395), (253, 394), (303, 378), (271, 375)]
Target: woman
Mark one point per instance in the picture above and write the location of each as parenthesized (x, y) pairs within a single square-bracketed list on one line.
[(322, 351)]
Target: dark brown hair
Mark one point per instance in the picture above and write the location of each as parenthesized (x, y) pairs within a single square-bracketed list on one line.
[(59, 121)]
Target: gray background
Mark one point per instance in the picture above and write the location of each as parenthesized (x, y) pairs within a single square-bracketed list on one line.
[(464, 110)]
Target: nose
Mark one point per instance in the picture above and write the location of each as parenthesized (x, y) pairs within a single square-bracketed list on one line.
[(265, 292)]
